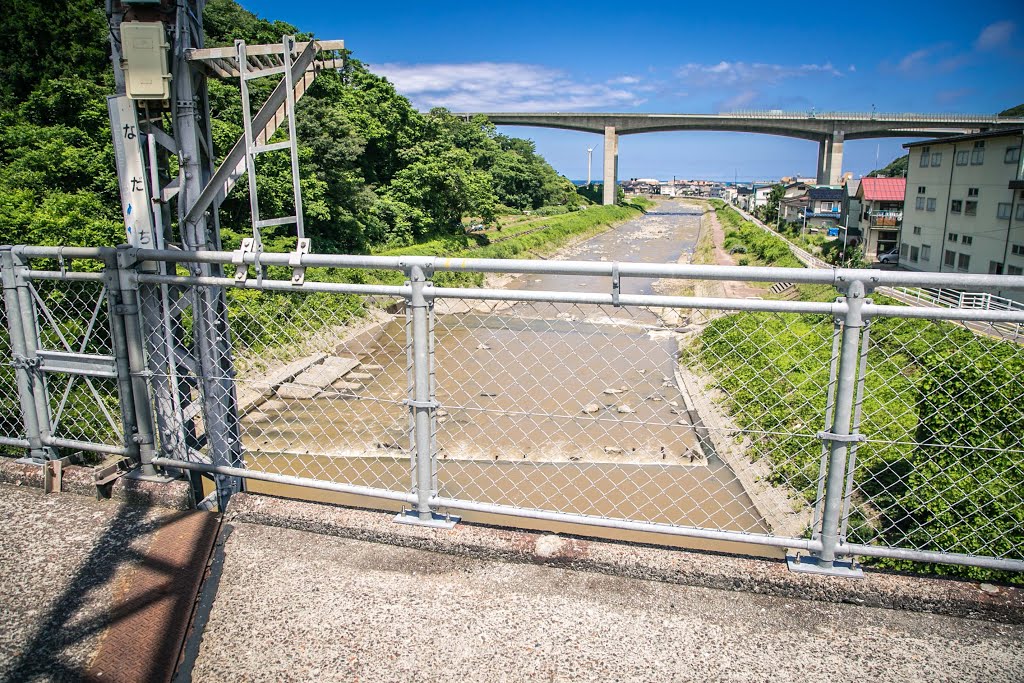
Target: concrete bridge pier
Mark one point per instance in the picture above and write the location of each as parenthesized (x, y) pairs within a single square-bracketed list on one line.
[(611, 165), (830, 158)]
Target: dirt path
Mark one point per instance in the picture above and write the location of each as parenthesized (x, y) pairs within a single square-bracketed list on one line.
[(731, 290)]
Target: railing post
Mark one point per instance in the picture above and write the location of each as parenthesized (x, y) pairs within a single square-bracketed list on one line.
[(23, 372), (30, 359), (116, 308), (422, 405), (838, 437), (127, 317)]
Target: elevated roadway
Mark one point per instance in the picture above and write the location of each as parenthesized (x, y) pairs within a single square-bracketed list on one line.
[(829, 129)]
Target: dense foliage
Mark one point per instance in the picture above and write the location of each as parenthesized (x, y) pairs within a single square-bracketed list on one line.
[(374, 170), (942, 411), (897, 168)]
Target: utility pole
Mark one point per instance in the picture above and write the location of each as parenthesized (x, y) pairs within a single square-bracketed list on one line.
[(161, 111)]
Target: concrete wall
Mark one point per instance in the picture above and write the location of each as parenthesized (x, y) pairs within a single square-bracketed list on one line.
[(983, 238)]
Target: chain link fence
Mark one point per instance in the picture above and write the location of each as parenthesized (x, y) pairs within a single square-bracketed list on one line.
[(835, 428)]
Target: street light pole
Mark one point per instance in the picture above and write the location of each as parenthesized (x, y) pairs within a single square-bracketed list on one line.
[(846, 236), (590, 155)]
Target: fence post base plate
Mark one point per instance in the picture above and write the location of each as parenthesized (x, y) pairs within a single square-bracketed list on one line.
[(808, 564), (156, 478), (436, 521)]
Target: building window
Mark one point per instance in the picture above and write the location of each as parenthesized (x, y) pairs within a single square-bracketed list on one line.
[(967, 239), (978, 154), (962, 157), (936, 158), (914, 253), (1014, 270), (1020, 212), (1017, 249), (926, 252), (917, 229), (1012, 155), (1003, 210), (956, 206), (903, 250), (971, 208), (995, 268), (919, 204), (921, 189), (931, 203), (949, 259), (952, 237), (925, 156), (963, 262), (972, 192)]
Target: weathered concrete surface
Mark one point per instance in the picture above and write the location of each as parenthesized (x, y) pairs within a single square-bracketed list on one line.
[(331, 370), (706, 570), (76, 479), (95, 590), (339, 609)]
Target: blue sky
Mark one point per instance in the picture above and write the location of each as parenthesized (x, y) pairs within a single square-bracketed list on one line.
[(685, 58)]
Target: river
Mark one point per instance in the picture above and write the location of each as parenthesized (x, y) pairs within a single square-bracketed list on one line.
[(572, 408)]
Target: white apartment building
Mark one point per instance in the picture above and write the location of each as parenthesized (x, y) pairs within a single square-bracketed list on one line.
[(964, 208)]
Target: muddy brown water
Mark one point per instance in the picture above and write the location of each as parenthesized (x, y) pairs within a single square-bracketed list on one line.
[(550, 406)]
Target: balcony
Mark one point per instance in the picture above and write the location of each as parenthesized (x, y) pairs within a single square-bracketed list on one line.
[(833, 213), (885, 219)]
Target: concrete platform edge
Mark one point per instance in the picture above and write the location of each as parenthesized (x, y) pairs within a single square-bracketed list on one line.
[(959, 598), (176, 495)]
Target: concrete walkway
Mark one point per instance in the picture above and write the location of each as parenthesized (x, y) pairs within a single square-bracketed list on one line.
[(298, 606), (102, 590), (305, 594), (95, 590)]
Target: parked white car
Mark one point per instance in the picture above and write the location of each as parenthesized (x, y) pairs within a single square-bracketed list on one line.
[(891, 256)]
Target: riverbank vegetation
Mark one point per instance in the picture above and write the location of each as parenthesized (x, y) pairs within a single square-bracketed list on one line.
[(941, 412)]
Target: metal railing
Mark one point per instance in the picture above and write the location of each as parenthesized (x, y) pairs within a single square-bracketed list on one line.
[(870, 116), (928, 296), (835, 428)]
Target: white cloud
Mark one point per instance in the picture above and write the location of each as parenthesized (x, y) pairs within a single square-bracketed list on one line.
[(739, 100), (509, 86), (740, 84), (748, 74), (914, 60), (949, 97), (995, 35)]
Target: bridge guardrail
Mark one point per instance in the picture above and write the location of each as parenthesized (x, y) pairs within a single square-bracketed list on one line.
[(835, 428)]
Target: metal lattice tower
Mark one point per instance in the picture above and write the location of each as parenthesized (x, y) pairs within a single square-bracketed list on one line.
[(164, 113)]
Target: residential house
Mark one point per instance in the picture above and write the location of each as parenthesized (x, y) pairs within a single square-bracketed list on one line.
[(881, 214), (794, 202), (760, 194), (743, 194), (965, 205), (850, 212), (824, 207)]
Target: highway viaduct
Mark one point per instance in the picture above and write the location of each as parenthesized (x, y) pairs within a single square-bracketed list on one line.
[(830, 130)]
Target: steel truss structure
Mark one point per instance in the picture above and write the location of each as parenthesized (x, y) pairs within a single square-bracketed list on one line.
[(181, 212)]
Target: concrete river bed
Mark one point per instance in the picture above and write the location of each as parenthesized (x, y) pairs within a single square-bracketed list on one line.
[(569, 408)]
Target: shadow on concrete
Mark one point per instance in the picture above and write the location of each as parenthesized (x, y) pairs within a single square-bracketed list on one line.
[(142, 630)]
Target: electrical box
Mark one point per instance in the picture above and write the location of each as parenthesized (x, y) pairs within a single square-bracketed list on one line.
[(144, 55)]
